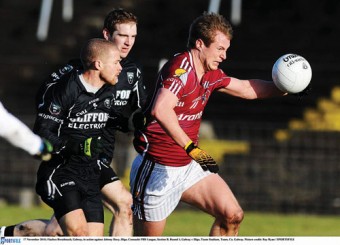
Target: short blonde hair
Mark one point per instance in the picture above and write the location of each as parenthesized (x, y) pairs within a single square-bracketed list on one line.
[(205, 26)]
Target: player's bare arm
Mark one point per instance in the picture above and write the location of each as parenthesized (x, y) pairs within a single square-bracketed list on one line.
[(163, 111), (252, 89)]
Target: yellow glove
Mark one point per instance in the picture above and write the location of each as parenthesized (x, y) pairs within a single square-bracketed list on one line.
[(200, 156)]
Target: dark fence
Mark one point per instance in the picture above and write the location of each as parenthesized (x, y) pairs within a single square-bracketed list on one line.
[(299, 174)]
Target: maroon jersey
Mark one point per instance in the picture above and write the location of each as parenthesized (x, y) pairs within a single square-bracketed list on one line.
[(179, 76)]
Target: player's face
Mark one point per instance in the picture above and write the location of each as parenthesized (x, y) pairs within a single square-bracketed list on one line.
[(111, 67), (213, 55), (124, 37)]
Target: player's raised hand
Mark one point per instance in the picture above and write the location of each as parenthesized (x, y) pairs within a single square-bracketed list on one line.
[(202, 157)]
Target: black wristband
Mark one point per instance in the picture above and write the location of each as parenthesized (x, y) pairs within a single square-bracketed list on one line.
[(190, 147), (9, 230)]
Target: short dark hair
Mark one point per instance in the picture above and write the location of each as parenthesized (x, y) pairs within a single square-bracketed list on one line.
[(205, 26), (93, 49), (118, 16)]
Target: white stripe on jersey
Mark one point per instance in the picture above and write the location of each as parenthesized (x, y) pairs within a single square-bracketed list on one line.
[(135, 88), (175, 87), (187, 67), (43, 96), (51, 186), (184, 63)]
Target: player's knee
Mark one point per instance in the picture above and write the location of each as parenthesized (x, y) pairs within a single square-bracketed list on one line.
[(125, 202), (236, 217), (233, 218), (230, 224), (51, 231), (53, 228), (78, 231)]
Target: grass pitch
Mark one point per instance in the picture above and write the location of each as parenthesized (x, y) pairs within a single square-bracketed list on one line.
[(196, 223)]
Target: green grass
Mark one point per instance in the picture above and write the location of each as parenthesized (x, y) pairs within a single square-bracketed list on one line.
[(193, 223), (196, 223)]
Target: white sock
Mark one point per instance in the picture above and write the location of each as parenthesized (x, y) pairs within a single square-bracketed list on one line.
[(2, 231)]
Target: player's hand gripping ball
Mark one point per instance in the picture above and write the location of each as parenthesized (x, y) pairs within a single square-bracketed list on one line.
[(291, 73)]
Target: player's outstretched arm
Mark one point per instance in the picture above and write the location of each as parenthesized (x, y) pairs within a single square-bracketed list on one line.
[(19, 135)]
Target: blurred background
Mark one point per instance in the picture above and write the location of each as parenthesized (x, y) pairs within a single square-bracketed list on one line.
[(278, 155)]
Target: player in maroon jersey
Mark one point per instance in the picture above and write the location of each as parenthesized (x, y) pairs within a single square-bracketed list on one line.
[(170, 167)]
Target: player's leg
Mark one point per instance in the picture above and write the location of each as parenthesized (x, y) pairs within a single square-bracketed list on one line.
[(74, 223), (79, 222), (118, 200), (31, 228), (53, 228), (69, 213), (95, 229), (68, 210), (148, 228), (85, 221), (156, 192), (93, 207), (76, 204), (34, 227), (213, 195)]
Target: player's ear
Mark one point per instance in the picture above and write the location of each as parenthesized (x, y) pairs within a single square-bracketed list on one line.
[(199, 44), (106, 34), (98, 64)]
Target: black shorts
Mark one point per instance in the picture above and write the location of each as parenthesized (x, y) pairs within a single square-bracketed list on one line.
[(107, 175), (66, 187)]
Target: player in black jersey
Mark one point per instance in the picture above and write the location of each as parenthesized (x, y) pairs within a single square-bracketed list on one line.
[(72, 116), (120, 27)]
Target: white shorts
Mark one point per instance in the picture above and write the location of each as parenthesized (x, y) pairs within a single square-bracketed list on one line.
[(157, 189)]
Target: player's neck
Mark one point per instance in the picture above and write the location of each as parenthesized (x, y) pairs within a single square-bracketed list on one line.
[(198, 65), (92, 79)]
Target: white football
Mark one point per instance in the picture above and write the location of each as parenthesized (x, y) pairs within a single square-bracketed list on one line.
[(291, 73)]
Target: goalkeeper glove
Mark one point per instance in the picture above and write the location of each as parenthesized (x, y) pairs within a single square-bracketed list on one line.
[(45, 151), (89, 147), (200, 156)]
